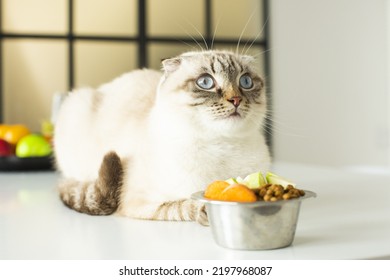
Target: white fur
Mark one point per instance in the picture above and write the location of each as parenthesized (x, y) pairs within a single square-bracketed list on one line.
[(171, 149)]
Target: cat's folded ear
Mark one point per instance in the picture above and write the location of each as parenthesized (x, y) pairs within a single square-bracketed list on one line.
[(170, 65)]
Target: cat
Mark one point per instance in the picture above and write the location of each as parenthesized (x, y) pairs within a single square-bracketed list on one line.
[(140, 145)]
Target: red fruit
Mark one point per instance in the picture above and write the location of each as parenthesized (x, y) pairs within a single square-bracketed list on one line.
[(6, 149)]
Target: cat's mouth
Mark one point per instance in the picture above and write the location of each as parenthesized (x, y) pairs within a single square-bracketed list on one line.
[(235, 115)]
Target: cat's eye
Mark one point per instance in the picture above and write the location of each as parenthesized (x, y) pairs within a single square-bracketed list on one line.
[(246, 81), (205, 82)]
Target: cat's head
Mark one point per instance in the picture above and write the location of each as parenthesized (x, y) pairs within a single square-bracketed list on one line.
[(219, 89)]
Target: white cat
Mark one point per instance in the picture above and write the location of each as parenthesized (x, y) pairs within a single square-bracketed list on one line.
[(143, 143)]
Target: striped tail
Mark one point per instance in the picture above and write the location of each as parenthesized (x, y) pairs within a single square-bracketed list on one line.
[(100, 197)]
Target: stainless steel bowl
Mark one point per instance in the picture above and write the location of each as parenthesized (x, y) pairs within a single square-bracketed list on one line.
[(257, 225)]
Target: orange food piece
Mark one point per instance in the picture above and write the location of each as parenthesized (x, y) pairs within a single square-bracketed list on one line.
[(214, 190), (221, 190), (238, 193)]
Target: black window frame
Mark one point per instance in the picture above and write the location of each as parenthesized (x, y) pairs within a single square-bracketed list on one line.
[(142, 40)]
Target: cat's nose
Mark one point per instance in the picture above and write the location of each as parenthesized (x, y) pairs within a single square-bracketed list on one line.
[(236, 100)]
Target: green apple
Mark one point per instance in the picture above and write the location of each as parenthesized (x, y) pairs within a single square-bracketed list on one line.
[(33, 145), (255, 180), (276, 179)]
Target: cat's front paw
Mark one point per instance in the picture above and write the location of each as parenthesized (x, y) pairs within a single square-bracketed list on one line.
[(201, 216)]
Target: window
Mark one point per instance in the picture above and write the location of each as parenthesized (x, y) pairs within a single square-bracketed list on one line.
[(49, 46)]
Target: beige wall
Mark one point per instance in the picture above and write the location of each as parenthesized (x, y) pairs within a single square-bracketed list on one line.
[(34, 69), (331, 89)]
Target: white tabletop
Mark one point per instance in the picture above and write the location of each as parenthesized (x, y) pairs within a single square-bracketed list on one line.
[(349, 219)]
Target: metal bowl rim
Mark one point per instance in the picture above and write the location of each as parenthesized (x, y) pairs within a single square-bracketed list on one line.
[(199, 196)]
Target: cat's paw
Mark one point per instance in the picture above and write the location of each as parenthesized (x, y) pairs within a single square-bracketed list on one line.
[(201, 216)]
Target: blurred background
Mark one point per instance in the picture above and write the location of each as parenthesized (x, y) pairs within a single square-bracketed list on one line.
[(326, 62), (56, 45)]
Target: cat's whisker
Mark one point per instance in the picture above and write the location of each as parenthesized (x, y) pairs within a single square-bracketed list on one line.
[(279, 123), (181, 41), (274, 115), (192, 37), (257, 36), (258, 54), (243, 30), (275, 119), (267, 131), (273, 131), (243, 52), (280, 128), (215, 32), (197, 31)]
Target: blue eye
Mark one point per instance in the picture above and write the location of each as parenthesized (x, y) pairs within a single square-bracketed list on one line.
[(205, 82), (246, 81)]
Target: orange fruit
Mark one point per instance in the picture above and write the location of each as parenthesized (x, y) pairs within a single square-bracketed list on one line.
[(238, 193), (3, 129), (15, 133), (221, 190), (214, 190)]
